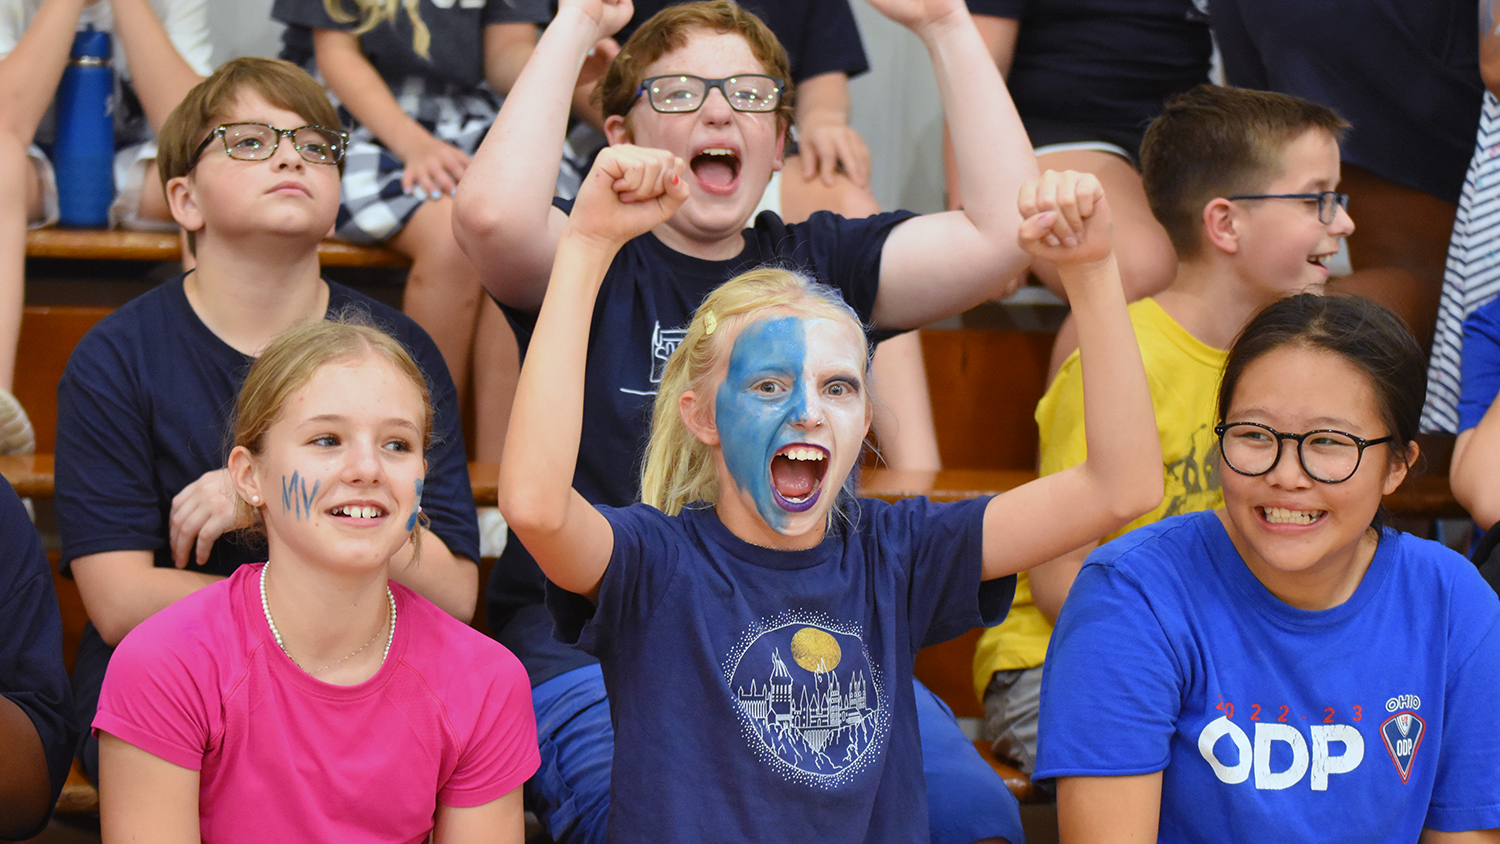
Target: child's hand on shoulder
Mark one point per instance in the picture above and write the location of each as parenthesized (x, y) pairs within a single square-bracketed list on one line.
[(1065, 218), (629, 191)]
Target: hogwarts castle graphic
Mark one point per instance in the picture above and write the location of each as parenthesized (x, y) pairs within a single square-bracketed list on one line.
[(810, 703)]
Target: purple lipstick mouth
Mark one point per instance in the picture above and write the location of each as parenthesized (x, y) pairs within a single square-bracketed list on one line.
[(797, 472)]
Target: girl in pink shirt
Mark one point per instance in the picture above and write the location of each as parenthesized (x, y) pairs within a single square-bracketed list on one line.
[(311, 698)]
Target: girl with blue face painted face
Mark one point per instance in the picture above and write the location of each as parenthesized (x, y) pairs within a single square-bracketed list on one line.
[(755, 622)]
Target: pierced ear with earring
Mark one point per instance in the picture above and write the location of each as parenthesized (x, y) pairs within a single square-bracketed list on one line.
[(255, 501)]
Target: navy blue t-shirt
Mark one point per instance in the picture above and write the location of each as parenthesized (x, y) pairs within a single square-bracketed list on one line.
[(31, 647), (1405, 73), (1101, 63), (644, 306), (780, 678), (820, 36), (456, 55)]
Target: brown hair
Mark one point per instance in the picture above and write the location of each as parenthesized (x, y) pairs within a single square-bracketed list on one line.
[(1217, 141), (670, 29), (281, 83), (288, 363)]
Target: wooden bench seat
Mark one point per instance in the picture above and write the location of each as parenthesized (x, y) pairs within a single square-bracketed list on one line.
[(112, 245)]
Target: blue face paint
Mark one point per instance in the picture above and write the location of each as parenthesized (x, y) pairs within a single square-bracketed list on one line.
[(411, 523), (295, 496), (753, 423)]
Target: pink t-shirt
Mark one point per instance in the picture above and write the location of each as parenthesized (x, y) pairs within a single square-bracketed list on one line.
[(285, 757)]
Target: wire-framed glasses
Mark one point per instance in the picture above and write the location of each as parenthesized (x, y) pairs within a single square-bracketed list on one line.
[(1329, 456), (1329, 201), (678, 93), (258, 141)]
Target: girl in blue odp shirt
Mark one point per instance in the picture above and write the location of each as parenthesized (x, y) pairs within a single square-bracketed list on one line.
[(1284, 668)]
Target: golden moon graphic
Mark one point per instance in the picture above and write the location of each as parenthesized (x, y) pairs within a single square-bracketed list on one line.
[(815, 650)]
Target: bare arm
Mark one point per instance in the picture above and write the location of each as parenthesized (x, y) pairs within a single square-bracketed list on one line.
[(903, 412), (507, 46), (144, 798), (629, 190), (1121, 478), (159, 74), (29, 75), (1489, 44), (999, 36), (824, 136), (1473, 836), (503, 216), (25, 786), (1475, 469), (120, 589), (431, 165), (1109, 810), (972, 250), (1051, 581), (499, 821), (442, 577)]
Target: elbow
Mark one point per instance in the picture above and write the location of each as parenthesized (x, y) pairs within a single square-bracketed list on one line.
[(1140, 497), (528, 511), (476, 219), (1482, 501)]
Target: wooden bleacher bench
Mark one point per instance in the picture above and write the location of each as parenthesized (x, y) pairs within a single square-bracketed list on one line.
[(112, 245)]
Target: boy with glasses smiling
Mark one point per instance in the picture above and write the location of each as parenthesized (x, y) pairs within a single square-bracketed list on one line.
[(250, 165), (1243, 181), (897, 271)]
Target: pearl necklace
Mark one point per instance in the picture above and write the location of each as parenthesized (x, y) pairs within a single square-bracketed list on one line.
[(276, 634)]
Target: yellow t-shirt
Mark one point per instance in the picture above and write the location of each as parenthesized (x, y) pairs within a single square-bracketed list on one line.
[(1183, 373)]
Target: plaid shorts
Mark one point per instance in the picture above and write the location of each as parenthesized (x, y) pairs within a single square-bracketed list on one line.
[(373, 207)]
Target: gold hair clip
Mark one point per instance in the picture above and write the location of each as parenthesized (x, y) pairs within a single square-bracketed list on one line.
[(710, 323)]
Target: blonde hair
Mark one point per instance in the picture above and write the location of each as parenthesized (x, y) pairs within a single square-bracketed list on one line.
[(290, 361), (679, 467), (369, 14)]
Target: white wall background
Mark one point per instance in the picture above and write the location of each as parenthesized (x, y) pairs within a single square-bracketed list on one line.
[(895, 104)]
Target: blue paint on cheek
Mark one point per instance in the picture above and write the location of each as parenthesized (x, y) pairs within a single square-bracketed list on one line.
[(296, 498), (411, 522), (753, 425)]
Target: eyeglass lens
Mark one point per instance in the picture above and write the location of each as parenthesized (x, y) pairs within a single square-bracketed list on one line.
[(1329, 203), (257, 142), (1327, 456), (752, 93)]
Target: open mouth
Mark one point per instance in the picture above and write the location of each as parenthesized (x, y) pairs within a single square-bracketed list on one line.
[(355, 511), (797, 476), (716, 167), (1282, 516)]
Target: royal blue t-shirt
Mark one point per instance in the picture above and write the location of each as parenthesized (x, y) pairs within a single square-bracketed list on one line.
[(1360, 723)]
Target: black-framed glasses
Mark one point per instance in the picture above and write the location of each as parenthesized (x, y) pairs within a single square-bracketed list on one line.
[(1329, 201), (1328, 456), (681, 92), (258, 141)]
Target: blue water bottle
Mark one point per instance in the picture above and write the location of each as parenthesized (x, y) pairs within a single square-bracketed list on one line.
[(84, 151)]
